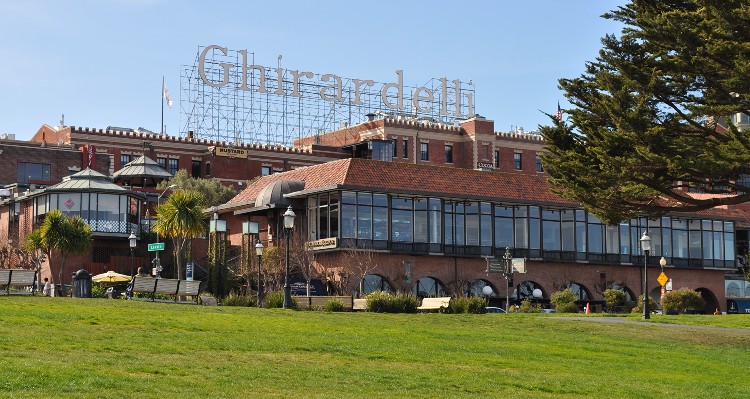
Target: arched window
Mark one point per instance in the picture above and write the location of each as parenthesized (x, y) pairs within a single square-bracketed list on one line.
[(429, 287), (525, 290), (373, 283), (477, 288), (582, 293)]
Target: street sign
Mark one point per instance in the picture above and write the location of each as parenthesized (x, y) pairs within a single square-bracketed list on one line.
[(662, 279), (495, 265), (157, 246)]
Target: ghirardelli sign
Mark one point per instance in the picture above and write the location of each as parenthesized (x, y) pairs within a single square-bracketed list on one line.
[(393, 95)]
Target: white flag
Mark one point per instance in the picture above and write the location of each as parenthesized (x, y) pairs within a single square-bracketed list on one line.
[(166, 96)]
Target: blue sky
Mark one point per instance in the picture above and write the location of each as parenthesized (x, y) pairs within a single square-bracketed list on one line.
[(101, 62)]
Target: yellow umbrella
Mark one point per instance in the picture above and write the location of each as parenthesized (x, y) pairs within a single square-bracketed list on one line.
[(110, 277)]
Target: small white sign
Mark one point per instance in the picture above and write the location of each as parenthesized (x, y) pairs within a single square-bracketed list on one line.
[(519, 265)]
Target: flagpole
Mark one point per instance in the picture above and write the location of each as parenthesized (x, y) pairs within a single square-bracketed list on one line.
[(161, 127)]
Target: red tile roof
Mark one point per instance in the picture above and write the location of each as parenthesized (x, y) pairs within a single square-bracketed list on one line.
[(401, 177), (420, 179)]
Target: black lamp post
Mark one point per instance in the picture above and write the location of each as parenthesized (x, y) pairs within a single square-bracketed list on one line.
[(288, 225), (133, 243), (508, 274), (646, 247), (259, 252)]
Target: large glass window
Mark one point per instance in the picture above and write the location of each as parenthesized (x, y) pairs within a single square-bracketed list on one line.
[(521, 226), (503, 227), (402, 219), (26, 172), (421, 231), (551, 240), (434, 220)]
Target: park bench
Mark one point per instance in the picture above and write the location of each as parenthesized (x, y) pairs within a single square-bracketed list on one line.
[(17, 278), (320, 302), (164, 286), (435, 303), (359, 304)]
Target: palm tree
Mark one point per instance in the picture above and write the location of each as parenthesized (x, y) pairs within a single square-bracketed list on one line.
[(181, 218), (34, 244), (66, 236)]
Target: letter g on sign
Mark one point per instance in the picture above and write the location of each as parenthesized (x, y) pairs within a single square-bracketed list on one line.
[(202, 68)]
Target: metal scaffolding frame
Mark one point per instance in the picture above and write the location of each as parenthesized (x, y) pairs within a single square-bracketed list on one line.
[(230, 114)]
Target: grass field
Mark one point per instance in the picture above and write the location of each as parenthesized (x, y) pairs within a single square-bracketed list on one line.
[(97, 348)]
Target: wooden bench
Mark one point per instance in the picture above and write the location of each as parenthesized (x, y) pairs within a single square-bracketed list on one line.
[(164, 286), (17, 278), (359, 304), (435, 303), (313, 302)]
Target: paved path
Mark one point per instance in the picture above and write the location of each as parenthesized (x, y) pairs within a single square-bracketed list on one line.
[(621, 320)]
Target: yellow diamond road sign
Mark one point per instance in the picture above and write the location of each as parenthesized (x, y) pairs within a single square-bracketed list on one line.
[(662, 279)]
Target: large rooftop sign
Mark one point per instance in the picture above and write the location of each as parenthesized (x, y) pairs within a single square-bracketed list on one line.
[(227, 96)]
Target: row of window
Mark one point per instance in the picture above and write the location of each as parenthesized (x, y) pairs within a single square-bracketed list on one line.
[(424, 155), (103, 212), (400, 219)]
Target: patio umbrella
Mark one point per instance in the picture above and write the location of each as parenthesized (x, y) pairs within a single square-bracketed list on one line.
[(110, 277)]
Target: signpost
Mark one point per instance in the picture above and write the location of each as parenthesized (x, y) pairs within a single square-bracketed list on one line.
[(157, 246), (507, 266)]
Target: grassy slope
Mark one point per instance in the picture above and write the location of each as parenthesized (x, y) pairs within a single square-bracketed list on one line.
[(60, 347)]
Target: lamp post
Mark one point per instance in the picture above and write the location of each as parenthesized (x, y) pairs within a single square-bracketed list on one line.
[(662, 263), (157, 262), (288, 225), (132, 239), (259, 252), (508, 274), (646, 247)]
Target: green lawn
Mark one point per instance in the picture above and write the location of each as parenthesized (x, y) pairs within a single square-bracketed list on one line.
[(97, 348)]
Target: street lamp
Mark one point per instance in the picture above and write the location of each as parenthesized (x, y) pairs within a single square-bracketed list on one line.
[(259, 252), (508, 274), (157, 262), (132, 239), (646, 247), (288, 225)]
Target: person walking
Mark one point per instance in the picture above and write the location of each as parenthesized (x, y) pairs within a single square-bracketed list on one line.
[(47, 290)]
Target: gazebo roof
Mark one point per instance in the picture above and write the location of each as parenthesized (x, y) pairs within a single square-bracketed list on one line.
[(141, 168)]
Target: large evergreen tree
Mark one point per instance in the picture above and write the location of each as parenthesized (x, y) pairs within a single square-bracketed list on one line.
[(650, 116)]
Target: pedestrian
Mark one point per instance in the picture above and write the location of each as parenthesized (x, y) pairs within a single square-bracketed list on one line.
[(47, 291)]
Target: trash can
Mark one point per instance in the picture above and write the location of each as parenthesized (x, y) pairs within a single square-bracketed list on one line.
[(82, 284)]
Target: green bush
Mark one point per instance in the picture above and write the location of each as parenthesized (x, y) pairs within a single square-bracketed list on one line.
[(528, 307), (638, 308), (614, 299), (276, 300), (564, 301), (237, 299), (473, 305), (334, 305), (384, 302), (98, 291), (683, 300)]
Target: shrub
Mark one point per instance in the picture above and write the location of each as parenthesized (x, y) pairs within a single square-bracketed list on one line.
[(236, 299), (638, 308), (334, 305), (614, 299), (683, 300), (384, 302), (565, 301), (528, 307), (276, 300), (474, 305), (98, 291)]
